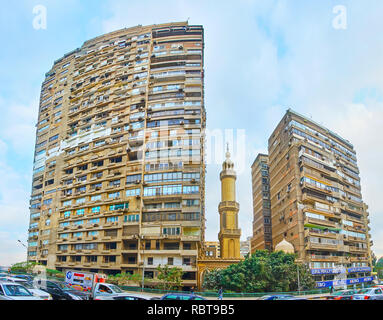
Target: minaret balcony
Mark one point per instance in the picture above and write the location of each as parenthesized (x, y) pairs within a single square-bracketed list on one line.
[(228, 205)]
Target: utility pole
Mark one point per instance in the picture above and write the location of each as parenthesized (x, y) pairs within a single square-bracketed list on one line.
[(299, 284), (143, 262)]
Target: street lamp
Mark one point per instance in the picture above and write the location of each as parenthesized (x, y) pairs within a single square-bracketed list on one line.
[(23, 244)]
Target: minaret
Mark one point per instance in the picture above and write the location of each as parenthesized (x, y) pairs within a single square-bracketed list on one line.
[(229, 235)]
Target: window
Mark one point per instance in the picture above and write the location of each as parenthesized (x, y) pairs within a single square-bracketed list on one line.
[(114, 195), (171, 231), (133, 179), (95, 198), (190, 189), (133, 192), (150, 261), (96, 209), (80, 200), (132, 218), (119, 206)]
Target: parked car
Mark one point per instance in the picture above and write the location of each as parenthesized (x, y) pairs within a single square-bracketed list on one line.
[(369, 294), (279, 297), (15, 291), (342, 295), (61, 291), (23, 276), (30, 286), (181, 296), (126, 296)]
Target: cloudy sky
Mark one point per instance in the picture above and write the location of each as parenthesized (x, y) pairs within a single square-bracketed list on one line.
[(261, 57)]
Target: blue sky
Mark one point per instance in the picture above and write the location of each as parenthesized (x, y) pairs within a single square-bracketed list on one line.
[(261, 58)]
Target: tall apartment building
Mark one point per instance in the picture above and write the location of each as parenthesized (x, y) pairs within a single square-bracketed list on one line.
[(262, 237), (316, 200), (119, 169)]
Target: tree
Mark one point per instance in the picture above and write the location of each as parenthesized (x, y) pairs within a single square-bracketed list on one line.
[(171, 278), (261, 272), (23, 267)]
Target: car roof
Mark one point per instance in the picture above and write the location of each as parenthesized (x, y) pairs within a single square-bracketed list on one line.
[(10, 283)]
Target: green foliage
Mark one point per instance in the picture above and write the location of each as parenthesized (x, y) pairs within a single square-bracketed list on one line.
[(170, 278), (23, 267), (379, 264), (124, 279), (261, 272)]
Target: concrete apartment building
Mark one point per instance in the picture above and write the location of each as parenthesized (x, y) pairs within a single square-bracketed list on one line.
[(119, 168), (262, 237), (316, 200)]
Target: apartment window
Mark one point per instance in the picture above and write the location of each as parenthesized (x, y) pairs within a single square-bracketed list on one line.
[(132, 218), (133, 192), (119, 206), (96, 209), (116, 160), (150, 261), (190, 189), (133, 179), (170, 261), (95, 198), (80, 200), (67, 203), (115, 183), (171, 231), (114, 195), (80, 212)]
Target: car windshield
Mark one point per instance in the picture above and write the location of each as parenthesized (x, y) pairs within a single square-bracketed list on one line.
[(65, 286), (28, 285), (16, 290), (115, 288), (363, 291)]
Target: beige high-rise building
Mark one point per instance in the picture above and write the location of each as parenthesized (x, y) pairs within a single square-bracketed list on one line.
[(119, 169), (262, 238), (316, 200)]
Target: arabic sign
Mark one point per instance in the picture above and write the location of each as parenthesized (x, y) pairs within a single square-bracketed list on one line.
[(326, 284)]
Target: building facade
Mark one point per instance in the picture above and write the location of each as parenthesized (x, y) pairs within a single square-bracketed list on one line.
[(316, 200), (119, 168), (262, 237)]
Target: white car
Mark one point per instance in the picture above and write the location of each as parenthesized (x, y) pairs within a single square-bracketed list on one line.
[(369, 294), (15, 291), (30, 286)]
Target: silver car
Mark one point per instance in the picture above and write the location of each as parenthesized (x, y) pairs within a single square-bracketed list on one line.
[(29, 285), (126, 296), (14, 291), (369, 294)]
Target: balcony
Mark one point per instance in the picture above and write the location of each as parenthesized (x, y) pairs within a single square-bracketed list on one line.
[(227, 205), (321, 246), (328, 223), (317, 257)]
